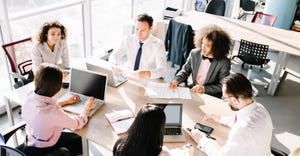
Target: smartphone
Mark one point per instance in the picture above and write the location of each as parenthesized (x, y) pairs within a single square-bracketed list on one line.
[(203, 128)]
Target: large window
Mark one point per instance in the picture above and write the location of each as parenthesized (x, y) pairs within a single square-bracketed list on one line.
[(4, 77), (71, 17), (108, 20), (25, 18)]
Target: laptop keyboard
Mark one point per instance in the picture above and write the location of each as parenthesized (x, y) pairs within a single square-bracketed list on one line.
[(83, 98), (173, 131)]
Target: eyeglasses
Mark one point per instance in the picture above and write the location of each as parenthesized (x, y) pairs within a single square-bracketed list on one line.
[(225, 98)]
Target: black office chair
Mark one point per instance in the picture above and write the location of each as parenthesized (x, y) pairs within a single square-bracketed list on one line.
[(247, 7), (6, 135), (277, 152), (216, 7), (253, 54)]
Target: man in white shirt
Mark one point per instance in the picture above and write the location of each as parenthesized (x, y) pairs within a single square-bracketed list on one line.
[(145, 53), (251, 128)]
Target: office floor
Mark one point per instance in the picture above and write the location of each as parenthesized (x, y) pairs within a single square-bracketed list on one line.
[(284, 108)]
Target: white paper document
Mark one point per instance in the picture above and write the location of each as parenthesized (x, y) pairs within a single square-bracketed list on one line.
[(162, 90)]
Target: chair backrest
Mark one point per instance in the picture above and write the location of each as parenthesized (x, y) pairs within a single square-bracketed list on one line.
[(265, 19), (6, 150), (247, 5), (10, 151), (19, 55), (200, 5), (253, 53), (216, 7)]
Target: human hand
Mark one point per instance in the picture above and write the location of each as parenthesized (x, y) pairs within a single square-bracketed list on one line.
[(198, 89), (73, 98), (65, 74), (173, 84), (211, 116), (89, 105), (143, 74), (196, 135), (117, 68)]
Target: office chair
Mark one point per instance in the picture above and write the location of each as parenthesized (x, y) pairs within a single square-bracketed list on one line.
[(247, 7), (253, 54), (200, 5), (277, 152), (18, 54), (7, 150), (4, 137), (216, 7), (265, 19)]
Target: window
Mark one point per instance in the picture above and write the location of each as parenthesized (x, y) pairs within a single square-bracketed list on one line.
[(4, 76), (25, 18), (108, 20), (71, 17)]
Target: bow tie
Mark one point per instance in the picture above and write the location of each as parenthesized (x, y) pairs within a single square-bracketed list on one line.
[(204, 57)]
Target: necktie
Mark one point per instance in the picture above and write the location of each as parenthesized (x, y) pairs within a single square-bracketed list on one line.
[(138, 57), (204, 57)]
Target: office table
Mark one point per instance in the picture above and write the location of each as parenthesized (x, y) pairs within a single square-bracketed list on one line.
[(130, 95), (284, 41)]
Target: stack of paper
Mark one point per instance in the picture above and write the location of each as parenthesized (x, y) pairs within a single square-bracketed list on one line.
[(162, 90)]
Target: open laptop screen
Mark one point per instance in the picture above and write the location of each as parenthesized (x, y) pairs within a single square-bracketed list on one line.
[(173, 113), (88, 83)]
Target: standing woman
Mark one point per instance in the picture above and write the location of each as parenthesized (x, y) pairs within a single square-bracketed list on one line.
[(51, 46), (45, 119), (145, 135)]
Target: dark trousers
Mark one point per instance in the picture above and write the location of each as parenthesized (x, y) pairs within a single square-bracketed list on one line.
[(69, 140)]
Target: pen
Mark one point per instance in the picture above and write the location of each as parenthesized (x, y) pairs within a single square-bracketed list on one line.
[(123, 119), (208, 136)]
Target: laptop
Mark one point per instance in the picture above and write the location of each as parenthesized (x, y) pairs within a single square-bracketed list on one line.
[(101, 66), (173, 126), (86, 84)]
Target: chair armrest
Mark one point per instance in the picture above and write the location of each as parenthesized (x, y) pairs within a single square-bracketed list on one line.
[(22, 67), (12, 130), (18, 76), (277, 152)]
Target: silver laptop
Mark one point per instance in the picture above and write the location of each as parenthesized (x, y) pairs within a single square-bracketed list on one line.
[(173, 127), (101, 66), (86, 84)]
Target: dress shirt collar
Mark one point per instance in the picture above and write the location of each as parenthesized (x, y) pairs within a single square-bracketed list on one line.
[(43, 99), (244, 113), (149, 39)]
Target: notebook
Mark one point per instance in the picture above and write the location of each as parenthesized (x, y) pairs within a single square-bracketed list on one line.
[(86, 84), (173, 126), (101, 66)]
